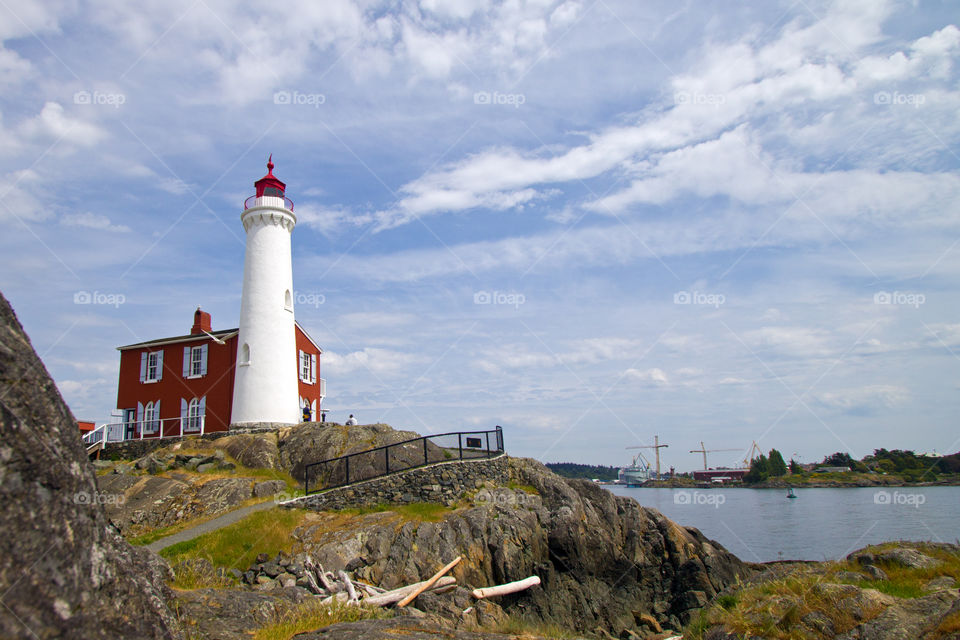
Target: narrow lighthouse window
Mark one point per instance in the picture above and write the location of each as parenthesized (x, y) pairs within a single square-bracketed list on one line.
[(245, 354), (288, 300)]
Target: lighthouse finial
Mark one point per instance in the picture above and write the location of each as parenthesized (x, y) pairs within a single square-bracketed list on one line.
[(270, 164)]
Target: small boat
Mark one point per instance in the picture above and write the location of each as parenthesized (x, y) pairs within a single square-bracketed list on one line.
[(790, 493)]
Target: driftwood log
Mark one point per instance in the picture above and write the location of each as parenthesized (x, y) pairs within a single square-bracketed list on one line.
[(503, 589), (351, 591), (396, 595), (429, 583)]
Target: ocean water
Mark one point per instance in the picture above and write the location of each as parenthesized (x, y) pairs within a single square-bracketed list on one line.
[(760, 525)]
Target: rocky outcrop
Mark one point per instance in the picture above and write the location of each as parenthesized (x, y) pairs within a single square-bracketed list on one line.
[(408, 628), (604, 561), (137, 504), (313, 442), (64, 572)]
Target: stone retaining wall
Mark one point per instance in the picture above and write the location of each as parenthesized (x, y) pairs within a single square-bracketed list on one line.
[(445, 483)]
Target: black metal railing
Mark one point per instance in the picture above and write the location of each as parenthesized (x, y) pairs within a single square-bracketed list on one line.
[(401, 456)]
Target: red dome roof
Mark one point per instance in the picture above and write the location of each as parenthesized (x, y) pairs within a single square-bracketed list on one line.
[(270, 181)]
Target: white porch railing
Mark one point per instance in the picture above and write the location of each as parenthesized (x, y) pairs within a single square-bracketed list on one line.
[(144, 430), (323, 388)]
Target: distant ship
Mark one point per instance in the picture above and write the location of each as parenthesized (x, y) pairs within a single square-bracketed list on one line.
[(636, 474)]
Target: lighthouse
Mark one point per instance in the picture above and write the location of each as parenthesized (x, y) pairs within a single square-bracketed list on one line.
[(265, 383)]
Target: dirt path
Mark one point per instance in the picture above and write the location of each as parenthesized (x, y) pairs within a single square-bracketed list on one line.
[(208, 526)]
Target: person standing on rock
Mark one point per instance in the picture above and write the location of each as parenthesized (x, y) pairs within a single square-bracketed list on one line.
[(306, 413), (351, 421)]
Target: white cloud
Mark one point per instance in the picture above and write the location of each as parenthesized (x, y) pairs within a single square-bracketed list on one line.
[(92, 221), (865, 399), (53, 124), (655, 376), (378, 362)]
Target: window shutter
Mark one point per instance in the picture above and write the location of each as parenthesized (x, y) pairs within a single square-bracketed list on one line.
[(140, 415), (186, 361), (203, 406), (143, 366), (313, 409), (300, 365), (156, 415), (160, 365), (313, 368), (184, 412), (203, 360)]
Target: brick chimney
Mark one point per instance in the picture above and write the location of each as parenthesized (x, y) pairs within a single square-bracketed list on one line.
[(201, 322)]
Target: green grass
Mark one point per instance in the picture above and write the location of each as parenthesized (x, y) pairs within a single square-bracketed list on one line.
[(236, 546), (521, 627), (774, 608), (421, 511), (526, 488), (312, 615)]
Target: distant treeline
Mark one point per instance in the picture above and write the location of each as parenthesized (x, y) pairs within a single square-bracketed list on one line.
[(910, 466), (589, 471)]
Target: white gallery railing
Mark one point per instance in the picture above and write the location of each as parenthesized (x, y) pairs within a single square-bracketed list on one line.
[(145, 430)]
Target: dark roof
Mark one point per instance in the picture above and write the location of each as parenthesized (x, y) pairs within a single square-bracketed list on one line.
[(186, 338)]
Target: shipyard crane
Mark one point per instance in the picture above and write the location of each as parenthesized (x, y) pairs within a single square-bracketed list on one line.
[(705, 451), (750, 455), (656, 446)]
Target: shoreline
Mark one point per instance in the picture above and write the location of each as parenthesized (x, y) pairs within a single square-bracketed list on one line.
[(777, 484)]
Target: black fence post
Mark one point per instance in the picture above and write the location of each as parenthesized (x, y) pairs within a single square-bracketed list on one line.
[(306, 480), (488, 443), (386, 459), (460, 444), (347, 478)]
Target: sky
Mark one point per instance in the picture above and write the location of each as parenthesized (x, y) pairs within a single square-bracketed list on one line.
[(588, 221)]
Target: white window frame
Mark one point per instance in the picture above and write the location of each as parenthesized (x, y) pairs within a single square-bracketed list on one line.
[(305, 367), (153, 367), (193, 415), (151, 417), (196, 361)]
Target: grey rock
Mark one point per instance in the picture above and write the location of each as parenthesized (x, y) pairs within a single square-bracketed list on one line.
[(231, 614), (268, 488), (207, 466), (939, 584), (910, 558), (272, 569), (83, 578), (874, 572), (407, 627)]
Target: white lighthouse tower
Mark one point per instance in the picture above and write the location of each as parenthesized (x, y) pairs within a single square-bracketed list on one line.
[(265, 383)]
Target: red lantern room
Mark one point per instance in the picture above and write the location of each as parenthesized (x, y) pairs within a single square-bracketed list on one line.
[(269, 186)]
